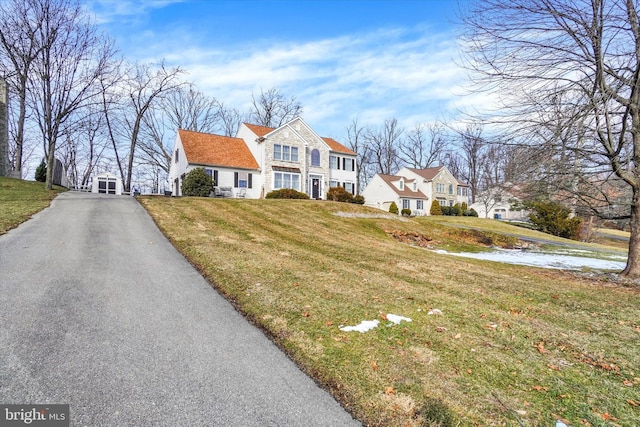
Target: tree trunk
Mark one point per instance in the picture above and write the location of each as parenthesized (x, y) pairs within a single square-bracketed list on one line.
[(633, 260)]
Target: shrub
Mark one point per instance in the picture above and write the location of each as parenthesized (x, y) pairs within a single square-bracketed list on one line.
[(464, 207), (472, 212), (446, 210), (197, 183), (286, 193), (41, 172), (455, 210), (406, 212), (339, 194), (393, 208), (436, 209), (553, 218), (359, 199)]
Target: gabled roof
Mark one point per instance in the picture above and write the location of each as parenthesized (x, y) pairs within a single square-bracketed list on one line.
[(259, 130), (337, 147), (216, 150), (334, 145), (430, 173), (407, 192)]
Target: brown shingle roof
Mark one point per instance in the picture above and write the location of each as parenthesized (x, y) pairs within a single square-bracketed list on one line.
[(216, 150), (336, 146), (407, 192), (430, 173), (259, 130)]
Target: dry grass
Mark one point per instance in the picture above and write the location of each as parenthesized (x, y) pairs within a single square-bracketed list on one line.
[(19, 200), (514, 345)]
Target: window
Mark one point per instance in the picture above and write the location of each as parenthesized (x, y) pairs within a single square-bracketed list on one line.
[(348, 164), (401, 185), (315, 157), (242, 180), (333, 184), (348, 186), (450, 188), (209, 172), (415, 186), (439, 188), (334, 162), (419, 204), (177, 156), (406, 203), (450, 203), (443, 202), (285, 152), (462, 191), (286, 180)]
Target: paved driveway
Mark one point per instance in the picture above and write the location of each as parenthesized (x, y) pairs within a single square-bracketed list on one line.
[(99, 311)]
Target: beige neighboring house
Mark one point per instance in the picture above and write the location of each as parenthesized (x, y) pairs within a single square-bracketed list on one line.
[(415, 189), (496, 204), (262, 159)]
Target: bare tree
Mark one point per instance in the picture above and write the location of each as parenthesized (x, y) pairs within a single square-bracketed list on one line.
[(579, 57), (357, 142), (384, 145), (273, 109), (19, 20), (72, 57), (144, 86), (473, 155), (229, 119), (423, 146)]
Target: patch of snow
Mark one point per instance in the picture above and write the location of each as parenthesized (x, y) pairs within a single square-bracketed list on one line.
[(394, 318), (540, 259), (364, 326), (435, 312), (368, 215)]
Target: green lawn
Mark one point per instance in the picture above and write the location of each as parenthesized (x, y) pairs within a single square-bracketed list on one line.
[(19, 200), (513, 346)]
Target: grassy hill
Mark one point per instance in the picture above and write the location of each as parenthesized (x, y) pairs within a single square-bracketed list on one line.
[(512, 346), (19, 200)]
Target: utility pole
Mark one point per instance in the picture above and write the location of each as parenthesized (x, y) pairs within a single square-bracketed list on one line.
[(5, 166)]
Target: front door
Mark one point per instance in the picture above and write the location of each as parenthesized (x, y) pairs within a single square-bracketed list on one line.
[(315, 188)]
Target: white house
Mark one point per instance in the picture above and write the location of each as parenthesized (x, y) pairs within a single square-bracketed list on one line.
[(261, 159), (497, 204), (415, 189)]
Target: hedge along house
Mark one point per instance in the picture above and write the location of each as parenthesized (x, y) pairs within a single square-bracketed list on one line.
[(226, 159), (295, 156), (415, 189)]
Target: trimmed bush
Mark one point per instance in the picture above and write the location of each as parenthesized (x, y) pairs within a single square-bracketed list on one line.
[(455, 210), (472, 212), (359, 199), (436, 209), (446, 210), (339, 194), (406, 212), (393, 208), (197, 183), (464, 207), (286, 193)]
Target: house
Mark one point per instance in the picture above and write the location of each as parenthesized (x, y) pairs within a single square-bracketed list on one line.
[(415, 189), (226, 159), (261, 159), (498, 203)]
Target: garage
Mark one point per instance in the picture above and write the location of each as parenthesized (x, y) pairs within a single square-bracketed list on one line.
[(106, 183)]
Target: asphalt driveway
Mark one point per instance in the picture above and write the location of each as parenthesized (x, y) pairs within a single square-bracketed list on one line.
[(99, 311)]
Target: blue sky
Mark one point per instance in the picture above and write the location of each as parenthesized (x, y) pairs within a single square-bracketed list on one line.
[(342, 59)]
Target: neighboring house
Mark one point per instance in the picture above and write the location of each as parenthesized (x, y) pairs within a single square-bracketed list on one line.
[(263, 159), (226, 159), (415, 189), (496, 204)]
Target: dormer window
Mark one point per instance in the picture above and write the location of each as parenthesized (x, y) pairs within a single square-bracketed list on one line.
[(415, 187), (401, 185)]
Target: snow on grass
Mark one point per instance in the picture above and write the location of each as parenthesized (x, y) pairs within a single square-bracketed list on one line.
[(367, 325), (558, 261)]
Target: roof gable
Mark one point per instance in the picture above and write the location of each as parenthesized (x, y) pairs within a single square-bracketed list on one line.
[(406, 191), (260, 131), (216, 150), (337, 147)]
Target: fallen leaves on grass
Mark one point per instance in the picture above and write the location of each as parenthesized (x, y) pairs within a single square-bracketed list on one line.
[(374, 365)]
